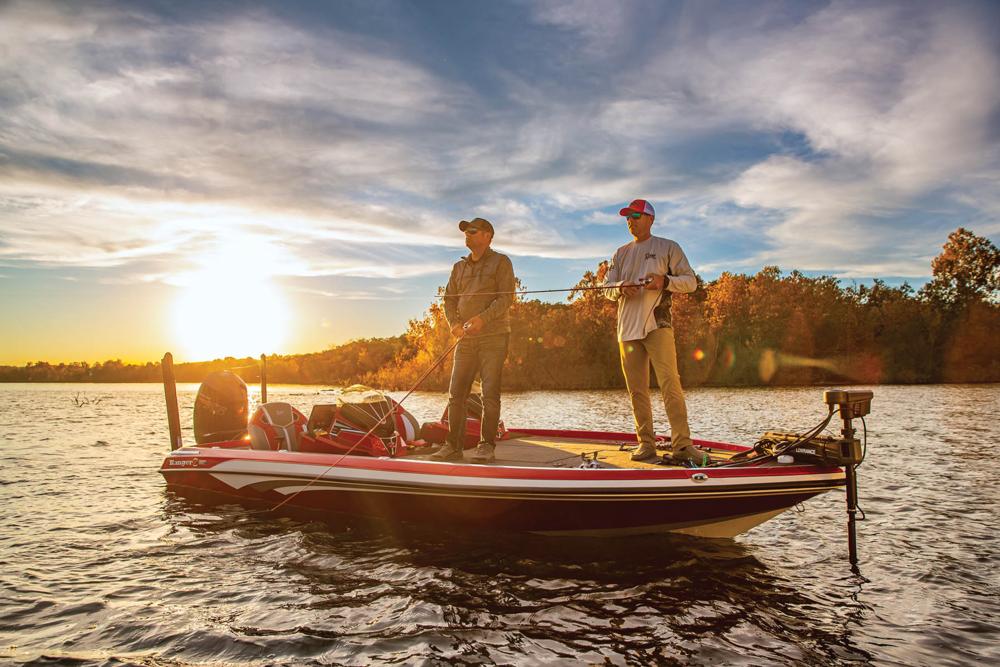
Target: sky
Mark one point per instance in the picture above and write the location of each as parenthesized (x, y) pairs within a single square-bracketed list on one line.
[(237, 178)]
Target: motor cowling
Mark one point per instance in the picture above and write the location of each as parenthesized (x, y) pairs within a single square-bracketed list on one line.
[(220, 408)]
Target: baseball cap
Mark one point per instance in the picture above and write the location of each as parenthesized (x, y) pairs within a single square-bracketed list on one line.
[(638, 206), (476, 223)]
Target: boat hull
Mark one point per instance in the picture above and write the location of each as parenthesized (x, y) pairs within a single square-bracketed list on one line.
[(714, 502)]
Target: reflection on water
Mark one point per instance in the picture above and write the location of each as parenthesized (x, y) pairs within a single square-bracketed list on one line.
[(99, 564)]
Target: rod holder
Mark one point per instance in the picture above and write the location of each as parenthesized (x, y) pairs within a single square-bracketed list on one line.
[(170, 394), (263, 378)]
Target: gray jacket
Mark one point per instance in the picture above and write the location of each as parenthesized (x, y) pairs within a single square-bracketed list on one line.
[(480, 281)]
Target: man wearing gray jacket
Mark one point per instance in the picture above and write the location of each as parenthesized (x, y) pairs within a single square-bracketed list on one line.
[(477, 299), (645, 331)]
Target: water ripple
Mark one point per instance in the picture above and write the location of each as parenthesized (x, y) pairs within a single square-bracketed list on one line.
[(100, 566)]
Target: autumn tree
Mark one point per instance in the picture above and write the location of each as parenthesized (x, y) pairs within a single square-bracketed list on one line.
[(967, 270)]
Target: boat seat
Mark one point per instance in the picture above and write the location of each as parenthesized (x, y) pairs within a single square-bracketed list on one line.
[(282, 419)]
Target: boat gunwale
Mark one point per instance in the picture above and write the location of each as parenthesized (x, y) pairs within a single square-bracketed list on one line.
[(208, 458)]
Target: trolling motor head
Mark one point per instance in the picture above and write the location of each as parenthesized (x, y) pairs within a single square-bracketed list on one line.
[(852, 404)]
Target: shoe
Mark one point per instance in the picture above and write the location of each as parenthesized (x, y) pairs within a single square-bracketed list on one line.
[(644, 453), (690, 456), (483, 453), (448, 452)]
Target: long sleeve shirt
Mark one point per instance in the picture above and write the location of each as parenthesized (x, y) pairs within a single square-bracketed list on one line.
[(649, 309), (472, 290)]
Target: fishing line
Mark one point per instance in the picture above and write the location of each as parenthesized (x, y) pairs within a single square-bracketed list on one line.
[(641, 283), (371, 430)]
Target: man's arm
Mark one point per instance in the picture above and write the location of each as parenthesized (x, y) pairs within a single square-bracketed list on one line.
[(505, 284), (612, 280), (450, 298), (680, 277)]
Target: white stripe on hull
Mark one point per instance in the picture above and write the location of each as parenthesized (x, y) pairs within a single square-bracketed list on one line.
[(296, 473), (287, 486)]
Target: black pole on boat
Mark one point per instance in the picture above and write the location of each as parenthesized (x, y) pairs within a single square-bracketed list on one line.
[(263, 378), (852, 512), (852, 492), (851, 404), (170, 393)]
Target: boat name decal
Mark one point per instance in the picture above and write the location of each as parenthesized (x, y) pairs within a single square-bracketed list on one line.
[(185, 463)]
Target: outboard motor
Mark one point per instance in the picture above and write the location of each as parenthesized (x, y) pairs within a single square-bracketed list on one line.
[(220, 409)]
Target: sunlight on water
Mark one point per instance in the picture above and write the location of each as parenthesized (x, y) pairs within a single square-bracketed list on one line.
[(101, 566)]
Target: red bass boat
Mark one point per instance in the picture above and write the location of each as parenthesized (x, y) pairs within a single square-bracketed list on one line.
[(543, 481)]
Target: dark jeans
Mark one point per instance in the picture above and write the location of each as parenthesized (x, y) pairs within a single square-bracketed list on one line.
[(485, 355)]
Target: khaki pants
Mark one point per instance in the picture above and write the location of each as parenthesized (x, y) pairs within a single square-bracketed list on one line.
[(658, 347)]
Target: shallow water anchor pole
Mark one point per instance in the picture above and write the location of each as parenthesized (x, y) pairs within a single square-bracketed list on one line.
[(170, 393), (263, 378)]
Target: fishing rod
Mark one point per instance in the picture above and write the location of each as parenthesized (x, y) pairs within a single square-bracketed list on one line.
[(642, 282), (372, 429)]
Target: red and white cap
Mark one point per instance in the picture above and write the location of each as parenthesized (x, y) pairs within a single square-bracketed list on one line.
[(638, 206)]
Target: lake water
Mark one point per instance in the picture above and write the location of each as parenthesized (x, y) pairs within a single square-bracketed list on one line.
[(100, 565)]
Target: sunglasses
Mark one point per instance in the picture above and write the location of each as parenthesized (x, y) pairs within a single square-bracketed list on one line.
[(471, 231), (634, 216)]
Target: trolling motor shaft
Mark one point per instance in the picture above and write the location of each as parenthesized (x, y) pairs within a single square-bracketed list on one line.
[(851, 405)]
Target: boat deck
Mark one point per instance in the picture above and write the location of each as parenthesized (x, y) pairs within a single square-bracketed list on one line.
[(535, 450)]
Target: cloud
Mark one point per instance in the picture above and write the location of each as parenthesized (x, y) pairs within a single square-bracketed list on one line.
[(893, 107), (893, 103), (129, 137), (211, 108)]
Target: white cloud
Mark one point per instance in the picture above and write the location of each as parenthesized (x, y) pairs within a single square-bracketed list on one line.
[(127, 141), (894, 106), (595, 20), (895, 101)]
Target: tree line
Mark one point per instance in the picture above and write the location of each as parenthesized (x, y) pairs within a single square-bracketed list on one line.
[(737, 330)]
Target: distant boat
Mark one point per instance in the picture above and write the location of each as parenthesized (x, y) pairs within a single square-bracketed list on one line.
[(557, 482)]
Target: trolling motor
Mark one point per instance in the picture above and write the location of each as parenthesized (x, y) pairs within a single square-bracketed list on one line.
[(846, 451), (852, 405)]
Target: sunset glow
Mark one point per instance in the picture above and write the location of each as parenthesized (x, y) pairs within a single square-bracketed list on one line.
[(231, 307), (220, 318)]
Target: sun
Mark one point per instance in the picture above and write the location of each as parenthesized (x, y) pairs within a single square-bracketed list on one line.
[(229, 310)]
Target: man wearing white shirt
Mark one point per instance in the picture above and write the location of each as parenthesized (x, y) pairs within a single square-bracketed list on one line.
[(645, 333)]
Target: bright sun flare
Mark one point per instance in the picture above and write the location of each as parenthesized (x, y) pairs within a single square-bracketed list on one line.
[(228, 310)]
